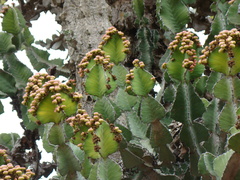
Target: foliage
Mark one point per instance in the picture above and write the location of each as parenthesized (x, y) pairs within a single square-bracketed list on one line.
[(189, 129), (9, 171)]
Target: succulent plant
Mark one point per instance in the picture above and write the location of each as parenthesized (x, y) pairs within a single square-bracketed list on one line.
[(9, 171), (188, 128), (94, 135), (222, 53), (49, 100)]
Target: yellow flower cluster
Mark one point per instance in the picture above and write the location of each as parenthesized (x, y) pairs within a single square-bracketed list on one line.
[(186, 42), (11, 172), (40, 85), (225, 41), (85, 124), (109, 33), (98, 56)]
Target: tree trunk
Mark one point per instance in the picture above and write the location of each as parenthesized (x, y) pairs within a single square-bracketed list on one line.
[(84, 23)]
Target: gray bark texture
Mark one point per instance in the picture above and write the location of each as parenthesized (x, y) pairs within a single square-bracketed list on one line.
[(84, 23), (87, 20)]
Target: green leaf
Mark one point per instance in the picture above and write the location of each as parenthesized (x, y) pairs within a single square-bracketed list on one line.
[(212, 80), (169, 94), (40, 59), (189, 1), (46, 145), (145, 144), (137, 127), (233, 142), (116, 109), (94, 172), (138, 7), (236, 87), (222, 89), (71, 106), (96, 81), (120, 72), (58, 62), (126, 133), (105, 108), (145, 47), (222, 6), (166, 57), (217, 25), (29, 124), (7, 82), (193, 135), (46, 109), (109, 170), (17, 40), (196, 73), (233, 14), (74, 175), (234, 130), (205, 164), (78, 152), (8, 139), (220, 163), (174, 66), (151, 110), (86, 167), (77, 138), (45, 112), (125, 101), (130, 159), (56, 135), (111, 83), (1, 108), (173, 14), (142, 83), (218, 61), (6, 45), (13, 21), (2, 161), (228, 117), (88, 147), (200, 85), (236, 67), (65, 154), (107, 143), (160, 138), (114, 48), (210, 119), (68, 130), (28, 37), (187, 108), (20, 71)]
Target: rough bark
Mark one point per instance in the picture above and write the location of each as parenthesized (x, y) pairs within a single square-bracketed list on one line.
[(87, 22), (84, 23)]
